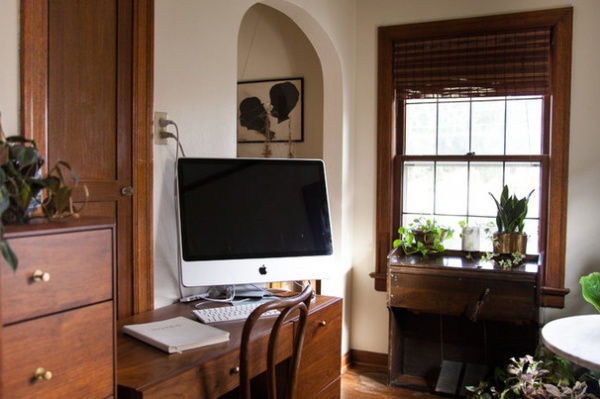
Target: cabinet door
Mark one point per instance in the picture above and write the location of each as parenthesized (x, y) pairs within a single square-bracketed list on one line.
[(320, 364), (87, 99)]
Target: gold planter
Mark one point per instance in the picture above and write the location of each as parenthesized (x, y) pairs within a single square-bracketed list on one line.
[(508, 243)]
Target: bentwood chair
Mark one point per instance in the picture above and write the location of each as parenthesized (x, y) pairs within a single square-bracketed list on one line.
[(287, 306)]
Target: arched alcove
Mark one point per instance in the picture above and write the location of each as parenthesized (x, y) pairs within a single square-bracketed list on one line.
[(273, 50)]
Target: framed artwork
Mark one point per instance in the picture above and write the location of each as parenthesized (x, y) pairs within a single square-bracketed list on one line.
[(270, 110)]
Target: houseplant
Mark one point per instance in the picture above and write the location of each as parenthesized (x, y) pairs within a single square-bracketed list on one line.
[(544, 375), (423, 236), (510, 221), (590, 289), (24, 191)]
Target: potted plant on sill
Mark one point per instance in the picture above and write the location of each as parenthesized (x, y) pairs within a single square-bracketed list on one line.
[(510, 221), (25, 192), (423, 236)]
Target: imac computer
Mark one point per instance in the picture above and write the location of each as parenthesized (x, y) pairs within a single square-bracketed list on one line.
[(245, 220)]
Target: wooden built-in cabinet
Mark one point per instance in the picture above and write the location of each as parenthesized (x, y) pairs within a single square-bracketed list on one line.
[(58, 311), (449, 308)]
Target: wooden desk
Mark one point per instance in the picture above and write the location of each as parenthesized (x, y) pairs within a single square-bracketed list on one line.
[(576, 339), (146, 372)]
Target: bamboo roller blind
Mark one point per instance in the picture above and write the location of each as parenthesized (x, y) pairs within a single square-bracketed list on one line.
[(479, 65)]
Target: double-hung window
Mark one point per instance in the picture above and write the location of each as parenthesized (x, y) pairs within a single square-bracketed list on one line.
[(466, 107)]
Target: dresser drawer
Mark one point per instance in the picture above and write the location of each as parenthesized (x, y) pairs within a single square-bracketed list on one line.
[(79, 266), (453, 295), (77, 347)]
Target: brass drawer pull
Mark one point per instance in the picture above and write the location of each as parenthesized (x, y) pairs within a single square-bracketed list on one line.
[(39, 275), (235, 370), (323, 323), (42, 374)]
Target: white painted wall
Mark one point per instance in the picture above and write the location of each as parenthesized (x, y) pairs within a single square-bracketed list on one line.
[(196, 70), (9, 66)]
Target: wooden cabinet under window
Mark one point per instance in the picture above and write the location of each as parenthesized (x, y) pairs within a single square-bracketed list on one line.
[(459, 310), (58, 311)]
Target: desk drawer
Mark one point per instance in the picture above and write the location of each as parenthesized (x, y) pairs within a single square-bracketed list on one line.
[(323, 336), (506, 300), (79, 265), (76, 346)]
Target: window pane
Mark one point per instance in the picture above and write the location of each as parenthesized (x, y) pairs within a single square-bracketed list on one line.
[(418, 187), (483, 179), (488, 127), (521, 178), (421, 121), (454, 128), (524, 126), (451, 188)]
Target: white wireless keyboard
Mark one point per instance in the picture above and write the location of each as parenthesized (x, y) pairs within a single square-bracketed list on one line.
[(228, 313)]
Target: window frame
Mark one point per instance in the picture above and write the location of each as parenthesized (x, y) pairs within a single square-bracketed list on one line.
[(390, 130)]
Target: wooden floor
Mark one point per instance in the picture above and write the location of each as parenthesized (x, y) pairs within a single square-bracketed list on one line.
[(359, 383)]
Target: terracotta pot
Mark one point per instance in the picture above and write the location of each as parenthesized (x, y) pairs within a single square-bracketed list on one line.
[(508, 243)]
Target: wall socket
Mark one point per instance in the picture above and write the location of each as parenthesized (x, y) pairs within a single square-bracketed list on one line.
[(157, 117)]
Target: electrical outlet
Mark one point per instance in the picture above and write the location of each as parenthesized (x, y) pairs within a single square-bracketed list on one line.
[(157, 117)]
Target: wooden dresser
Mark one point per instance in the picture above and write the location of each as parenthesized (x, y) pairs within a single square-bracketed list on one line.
[(453, 310), (58, 311)]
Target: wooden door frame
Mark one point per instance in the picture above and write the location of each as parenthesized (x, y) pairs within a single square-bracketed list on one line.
[(34, 111)]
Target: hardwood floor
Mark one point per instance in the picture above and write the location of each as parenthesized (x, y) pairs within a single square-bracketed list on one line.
[(361, 383)]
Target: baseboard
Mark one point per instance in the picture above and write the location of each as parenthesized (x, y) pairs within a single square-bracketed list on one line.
[(371, 360)]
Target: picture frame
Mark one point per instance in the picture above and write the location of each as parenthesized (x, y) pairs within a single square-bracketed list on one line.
[(275, 105)]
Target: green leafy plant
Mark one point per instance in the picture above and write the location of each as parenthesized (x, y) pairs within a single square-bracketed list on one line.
[(511, 212), (590, 286), (423, 236), (23, 189), (544, 376)]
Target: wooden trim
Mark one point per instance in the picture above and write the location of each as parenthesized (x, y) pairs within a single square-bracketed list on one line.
[(143, 92), (373, 360), (553, 277), (34, 72)]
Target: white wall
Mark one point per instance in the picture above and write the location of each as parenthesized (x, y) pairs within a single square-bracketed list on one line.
[(9, 66)]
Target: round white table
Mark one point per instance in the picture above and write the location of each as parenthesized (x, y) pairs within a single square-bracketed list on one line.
[(575, 338)]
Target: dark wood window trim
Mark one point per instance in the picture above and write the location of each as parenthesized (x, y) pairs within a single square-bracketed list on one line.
[(34, 105), (560, 22)]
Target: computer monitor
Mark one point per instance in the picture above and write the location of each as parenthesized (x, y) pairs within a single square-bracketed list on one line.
[(243, 220)]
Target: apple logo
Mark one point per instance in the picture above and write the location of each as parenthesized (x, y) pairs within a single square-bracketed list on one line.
[(262, 270)]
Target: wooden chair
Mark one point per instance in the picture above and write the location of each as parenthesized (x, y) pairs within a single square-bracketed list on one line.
[(286, 306)]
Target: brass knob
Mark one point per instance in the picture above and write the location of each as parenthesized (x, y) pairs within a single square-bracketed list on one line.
[(235, 370), (42, 374), (323, 323), (127, 191), (39, 275)]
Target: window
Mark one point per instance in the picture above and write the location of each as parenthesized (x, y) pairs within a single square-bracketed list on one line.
[(466, 106), (457, 150)]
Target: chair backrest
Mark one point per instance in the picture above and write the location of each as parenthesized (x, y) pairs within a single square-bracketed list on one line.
[(289, 305)]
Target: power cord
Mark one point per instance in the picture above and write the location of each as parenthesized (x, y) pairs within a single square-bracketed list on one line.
[(163, 123)]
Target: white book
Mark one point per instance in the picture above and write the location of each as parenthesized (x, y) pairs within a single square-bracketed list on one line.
[(177, 334)]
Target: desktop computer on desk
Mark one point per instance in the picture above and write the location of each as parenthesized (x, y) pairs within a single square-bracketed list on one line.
[(242, 221)]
